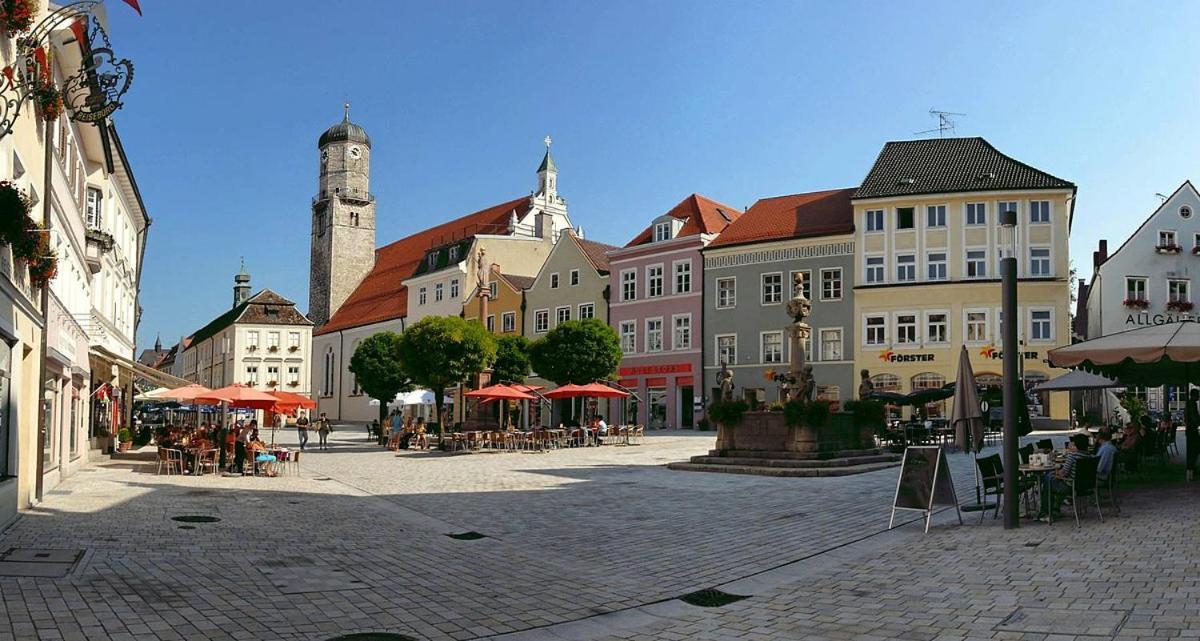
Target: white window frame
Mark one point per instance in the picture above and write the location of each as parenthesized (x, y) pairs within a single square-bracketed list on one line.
[(555, 280), (911, 266), (494, 290), (866, 338), (490, 324), (841, 343), (676, 273), (294, 340), (558, 314), (916, 329), (252, 339), (896, 216), (1000, 208), (650, 280), (839, 281), (717, 349), (935, 216), (252, 375), (762, 288), (987, 325), (591, 307), (676, 344), (732, 280), (972, 214), (422, 296), (541, 321), (628, 331), (439, 292), (573, 278), (1187, 290), (867, 267), (944, 263), (1145, 287), (628, 284), (662, 231), (762, 344), (1048, 260), (508, 322), (1174, 238), (926, 322), (1049, 212), (453, 288), (650, 346), (1050, 323), (877, 226), (967, 263)]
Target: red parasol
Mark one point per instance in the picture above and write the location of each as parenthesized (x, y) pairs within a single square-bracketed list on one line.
[(289, 401), (500, 392), (238, 395), (591, 390), (186, 393)]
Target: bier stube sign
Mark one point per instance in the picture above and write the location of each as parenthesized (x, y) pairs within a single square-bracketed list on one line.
[(924, 482)]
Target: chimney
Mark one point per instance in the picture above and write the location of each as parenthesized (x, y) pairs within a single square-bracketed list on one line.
[(1100, 256)]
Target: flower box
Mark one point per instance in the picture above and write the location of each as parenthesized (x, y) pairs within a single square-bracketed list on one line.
[(273, 349), (1196, 250), (1180, 306), (1168, 249), (294, 384), (1137, 303), (272, 383), (294, 348), (252, 348)]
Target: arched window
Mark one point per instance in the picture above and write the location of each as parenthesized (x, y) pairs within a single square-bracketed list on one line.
[(886, 382), (355, 390), (928, 380), (1039, 401), (327, 383), (988, 379)]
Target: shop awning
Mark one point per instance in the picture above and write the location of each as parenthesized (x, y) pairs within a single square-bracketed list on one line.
[(137, 369)]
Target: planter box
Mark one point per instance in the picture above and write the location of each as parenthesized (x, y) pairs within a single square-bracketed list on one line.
[(769, 432)]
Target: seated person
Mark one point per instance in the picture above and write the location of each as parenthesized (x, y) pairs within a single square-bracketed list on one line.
[(1060, 480), (601, 429), (1107, 453), (1132, 436), (262, 456)]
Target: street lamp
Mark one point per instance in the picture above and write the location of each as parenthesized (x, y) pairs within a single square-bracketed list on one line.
[(1012, 355)]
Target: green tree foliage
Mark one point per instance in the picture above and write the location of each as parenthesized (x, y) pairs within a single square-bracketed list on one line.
[(443, 351), (579, 352), (512, 359), (378, 369)]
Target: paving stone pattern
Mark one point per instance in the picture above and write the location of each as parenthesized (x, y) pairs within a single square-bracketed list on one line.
[(572, 536)]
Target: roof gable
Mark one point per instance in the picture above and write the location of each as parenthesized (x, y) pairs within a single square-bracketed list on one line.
[(1168, 207), (701, 215), (949, 165), (818, 213), (264, 308)]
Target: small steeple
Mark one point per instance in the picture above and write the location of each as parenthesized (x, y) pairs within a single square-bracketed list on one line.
[(547, 172), (241, 285), (158, 342)]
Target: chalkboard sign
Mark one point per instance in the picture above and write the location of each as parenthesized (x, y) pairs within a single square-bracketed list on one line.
[(924, 482)]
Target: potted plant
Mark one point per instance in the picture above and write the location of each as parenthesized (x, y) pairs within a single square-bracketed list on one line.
[(124, 439), (14, 214), (17, 16), (48, 99), (1179, 306), (1136, 303), (1168, 248)]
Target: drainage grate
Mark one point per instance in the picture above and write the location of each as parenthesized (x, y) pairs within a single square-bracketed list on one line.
[(710, 598), (43, 563), (373, 636), (467, 536), (195, 518)]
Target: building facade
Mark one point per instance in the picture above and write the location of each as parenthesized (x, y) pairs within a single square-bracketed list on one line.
[(1148, 279), (927, 267), (657, 311), (505, 305), (748, 274)]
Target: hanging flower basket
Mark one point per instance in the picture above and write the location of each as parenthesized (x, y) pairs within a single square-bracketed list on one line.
[(1180, 306), (1137, 303), (49, 101), (14, 216), (17, 16), (38, 256)]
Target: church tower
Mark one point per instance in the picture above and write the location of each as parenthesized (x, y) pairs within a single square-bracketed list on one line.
[(343, 219)]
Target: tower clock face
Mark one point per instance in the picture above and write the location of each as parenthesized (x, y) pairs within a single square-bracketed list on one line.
[(324, 156), (355, 152)]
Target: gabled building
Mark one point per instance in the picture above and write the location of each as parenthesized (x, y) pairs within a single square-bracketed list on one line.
[(926, 280), (748, 273), (657, 310), (505, 307), (572, 284)]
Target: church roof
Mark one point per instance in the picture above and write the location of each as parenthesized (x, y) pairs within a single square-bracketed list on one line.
[(818, 213), (701, 215), (344, 131), (382, 295), (263, 308), (547, 163)]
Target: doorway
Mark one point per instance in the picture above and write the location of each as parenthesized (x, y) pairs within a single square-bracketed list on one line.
[(686, 407), (656, 408)]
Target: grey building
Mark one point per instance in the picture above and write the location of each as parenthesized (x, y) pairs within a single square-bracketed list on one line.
[(748, 272)]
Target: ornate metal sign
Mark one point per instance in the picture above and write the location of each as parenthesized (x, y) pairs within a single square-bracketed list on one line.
[(90, 94)]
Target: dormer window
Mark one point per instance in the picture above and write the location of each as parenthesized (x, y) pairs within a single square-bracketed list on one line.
[(431, 260), (454, 254), (662, 231)]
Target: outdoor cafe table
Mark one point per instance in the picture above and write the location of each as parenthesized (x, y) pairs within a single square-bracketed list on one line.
[(1038, 473)]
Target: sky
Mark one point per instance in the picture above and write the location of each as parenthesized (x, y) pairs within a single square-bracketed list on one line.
[(647, 102)]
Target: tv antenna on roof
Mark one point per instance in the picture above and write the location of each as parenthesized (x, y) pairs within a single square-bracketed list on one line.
[(945, 123)]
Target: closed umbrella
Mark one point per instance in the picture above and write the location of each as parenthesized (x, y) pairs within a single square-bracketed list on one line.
[(967, 420)]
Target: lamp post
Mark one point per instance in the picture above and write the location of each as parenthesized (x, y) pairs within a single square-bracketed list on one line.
[(1012, 358)]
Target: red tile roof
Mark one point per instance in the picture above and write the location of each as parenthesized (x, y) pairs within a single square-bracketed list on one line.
[(381, 296), (595, 252), (819, 213), (702, 216)]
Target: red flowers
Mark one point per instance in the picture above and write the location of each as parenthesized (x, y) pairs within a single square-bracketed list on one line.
[(1137, 303), (1179, 306), (17, 16)]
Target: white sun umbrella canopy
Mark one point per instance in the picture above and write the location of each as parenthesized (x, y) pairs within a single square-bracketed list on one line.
[(1076, 380), (1148, 356)]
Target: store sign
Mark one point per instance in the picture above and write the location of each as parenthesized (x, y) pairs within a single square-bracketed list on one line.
[(992, 352), (656, 369), (1144, 319), (889, 356)]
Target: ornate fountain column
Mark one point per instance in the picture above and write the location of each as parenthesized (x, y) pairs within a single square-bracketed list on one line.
[(800, 380)]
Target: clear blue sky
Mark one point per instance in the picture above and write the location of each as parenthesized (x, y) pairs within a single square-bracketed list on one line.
[(647, 102)]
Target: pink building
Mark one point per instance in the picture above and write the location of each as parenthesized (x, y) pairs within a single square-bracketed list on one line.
[(656, 307)]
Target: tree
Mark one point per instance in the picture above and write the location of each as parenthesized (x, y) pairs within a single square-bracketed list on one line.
[(378, 368), (443, 351), (512, 359), (578, 351)]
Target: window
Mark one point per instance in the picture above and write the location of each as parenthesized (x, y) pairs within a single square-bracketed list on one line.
[(629, 285), (1185, 212), (431, 260), (831, 393), (293, 341), (437, 293), (936, 327), (273, 376), (252, 340), (906, 268), (874, 269), (493, 290), (654, 334), (772, 347), (662, 231), (807, 288), (1039, 261), (683, 332), (421, 296), (574, 277), (561, 315), (354, 219), (1177, 291), (726, 293), (628, 337), (554, 280), (976, 214), (1039, 211), (293, 376), (831, 284), (904, 218), (1135, 288), (273, 341), (541, 321), (1196, 241), (874, 220), (1004, 206), (508, 321), (726, 350), (654, 281), (876, 330), (587, 310), (453, 288), (906, 329), (683, 277), (1040, 327), (935, 216), (95, 205), (831, 344), (1166, 238), (330, 359), (976, 263), (252, 375), (772, 288), (976, 327), (935, 266)]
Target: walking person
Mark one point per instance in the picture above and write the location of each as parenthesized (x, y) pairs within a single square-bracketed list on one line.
[(1191, 432), (302, 429), (323, 430)]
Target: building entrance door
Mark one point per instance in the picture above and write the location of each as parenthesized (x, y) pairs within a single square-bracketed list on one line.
[(686, 409), (656, 408)]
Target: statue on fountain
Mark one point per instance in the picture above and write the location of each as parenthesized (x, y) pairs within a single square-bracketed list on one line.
[(725, 380), (799, 308)]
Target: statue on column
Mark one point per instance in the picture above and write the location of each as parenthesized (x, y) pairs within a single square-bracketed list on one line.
[(799, 308), (725, 380), (866, 386), (481, 270)]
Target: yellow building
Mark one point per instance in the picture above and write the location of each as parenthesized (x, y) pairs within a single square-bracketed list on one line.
[(927, 271), (505, 316)]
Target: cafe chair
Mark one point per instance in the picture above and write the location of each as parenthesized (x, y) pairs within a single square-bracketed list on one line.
[(171, 460), (1109, 485), (206, 460), (1045, 445), (1024, 453), (1084, 485), (991, 476)]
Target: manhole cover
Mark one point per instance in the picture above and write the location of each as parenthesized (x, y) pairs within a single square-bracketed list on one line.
[(44, 563), (373, 636), (195, 518), (467, 536), (710, 598)]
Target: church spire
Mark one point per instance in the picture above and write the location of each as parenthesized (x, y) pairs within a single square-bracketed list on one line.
[(547, 172)]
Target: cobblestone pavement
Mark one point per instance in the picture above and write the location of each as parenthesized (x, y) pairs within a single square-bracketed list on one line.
[(356, 542)]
